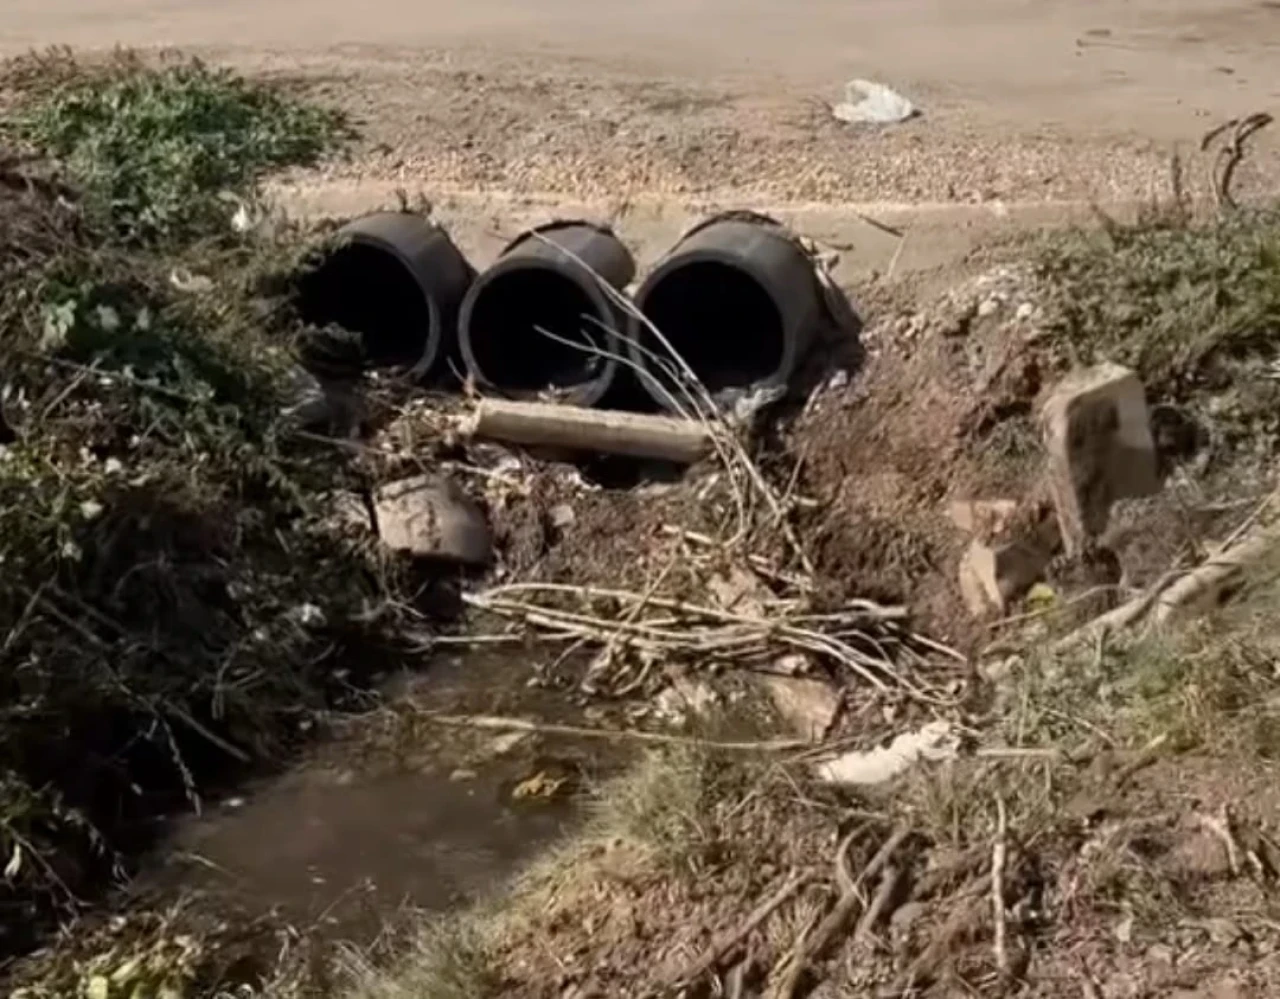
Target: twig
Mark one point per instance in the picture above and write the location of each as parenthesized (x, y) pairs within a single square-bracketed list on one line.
[(711, 411), (844, 909), (960, 921), (1220, 826), (183, 716), (999, 851), (725, 943), (890, 884), (495, 723), (742, 631), (791, 960), (1230, 156)]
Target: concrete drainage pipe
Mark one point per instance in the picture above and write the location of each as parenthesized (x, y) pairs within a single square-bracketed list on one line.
[(540, 321), (738, 300), (398, 280)]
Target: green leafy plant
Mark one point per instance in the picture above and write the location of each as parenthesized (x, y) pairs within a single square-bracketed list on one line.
[(172, 151)]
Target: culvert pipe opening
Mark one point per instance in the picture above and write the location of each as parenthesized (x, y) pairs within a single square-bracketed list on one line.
[(531, 329), (397, 280), (720, 320), (368, 291)]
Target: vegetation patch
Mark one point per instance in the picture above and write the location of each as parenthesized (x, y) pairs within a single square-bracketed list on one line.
[(1192, 306), (175, 600), (163, 152)]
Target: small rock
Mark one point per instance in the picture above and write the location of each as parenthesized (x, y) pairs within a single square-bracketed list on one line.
[(983, 518), (462, 774), (992, 575), (561, 515), (793, 664), (1025, 311), (1098, 435), (432, 518), (987, 307), (809, 706), (506, 742)]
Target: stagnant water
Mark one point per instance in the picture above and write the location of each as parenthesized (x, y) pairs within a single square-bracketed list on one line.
[(343, 843)]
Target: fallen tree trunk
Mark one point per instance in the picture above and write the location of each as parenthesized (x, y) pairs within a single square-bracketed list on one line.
[(637, 435)]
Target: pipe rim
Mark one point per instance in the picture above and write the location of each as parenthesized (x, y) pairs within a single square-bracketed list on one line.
[(638, 330), (586, 393)]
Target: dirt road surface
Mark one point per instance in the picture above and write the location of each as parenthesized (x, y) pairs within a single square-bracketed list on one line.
[(1147, 65), (489, 105)]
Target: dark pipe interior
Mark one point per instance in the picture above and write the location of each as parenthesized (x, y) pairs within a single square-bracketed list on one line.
[(720, 320), (369, 291), (503, 328)]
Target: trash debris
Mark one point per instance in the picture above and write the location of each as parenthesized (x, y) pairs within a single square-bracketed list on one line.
[(869, 103), (540, 787), (936, 741)]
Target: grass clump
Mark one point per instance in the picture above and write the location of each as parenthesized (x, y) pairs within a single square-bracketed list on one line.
[(166, 152), (1193, 307)]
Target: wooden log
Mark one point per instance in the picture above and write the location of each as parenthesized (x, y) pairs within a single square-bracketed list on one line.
[(638, 435)]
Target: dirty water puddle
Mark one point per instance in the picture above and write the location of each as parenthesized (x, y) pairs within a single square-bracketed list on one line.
[(341, 845)]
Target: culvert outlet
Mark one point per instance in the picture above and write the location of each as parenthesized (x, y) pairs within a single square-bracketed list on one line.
[(738, 300), (398, 280), (541, 319)]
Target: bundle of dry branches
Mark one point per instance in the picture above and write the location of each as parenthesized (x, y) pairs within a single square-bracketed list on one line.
[(863, 638)]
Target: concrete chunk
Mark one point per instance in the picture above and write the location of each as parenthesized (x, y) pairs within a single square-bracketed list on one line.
[(432, 518), (983, 518), (993, 575), (1098, 435)]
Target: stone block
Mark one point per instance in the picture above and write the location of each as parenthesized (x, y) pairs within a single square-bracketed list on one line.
[(1097, 432)]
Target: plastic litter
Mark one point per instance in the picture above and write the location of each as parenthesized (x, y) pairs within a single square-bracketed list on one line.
[(868, 102)]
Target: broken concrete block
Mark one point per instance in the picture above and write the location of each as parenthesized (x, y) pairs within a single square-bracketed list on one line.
[(993, 574), (1098, 435), (809, 706), (432, 518), (983, 518)]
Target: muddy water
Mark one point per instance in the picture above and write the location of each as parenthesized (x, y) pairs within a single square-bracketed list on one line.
[(385, 819)]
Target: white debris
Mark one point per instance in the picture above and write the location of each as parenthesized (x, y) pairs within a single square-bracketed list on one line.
[(868, 102), (936, 741)]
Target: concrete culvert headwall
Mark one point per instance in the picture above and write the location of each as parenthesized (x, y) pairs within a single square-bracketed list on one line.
[(737, 299), (398, 280), (541, 318)]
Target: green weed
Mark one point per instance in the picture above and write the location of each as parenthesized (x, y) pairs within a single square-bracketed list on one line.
[(172, 598), (169, 152), (1193, 307)]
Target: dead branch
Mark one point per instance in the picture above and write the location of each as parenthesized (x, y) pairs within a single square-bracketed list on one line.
[(1205, 582), (845, 908), (890, 884), (727, 634), (999, 851), (727, 942), (497, 724)]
